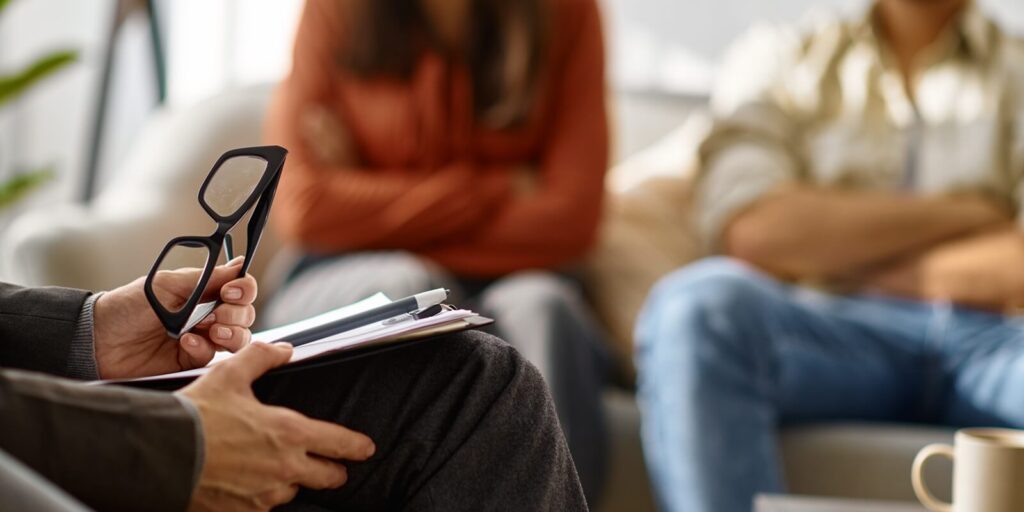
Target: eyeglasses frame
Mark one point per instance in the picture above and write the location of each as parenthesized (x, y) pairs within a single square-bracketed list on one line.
[(177, 322)]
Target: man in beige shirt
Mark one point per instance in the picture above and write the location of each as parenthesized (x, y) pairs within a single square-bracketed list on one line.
[(881, 158)]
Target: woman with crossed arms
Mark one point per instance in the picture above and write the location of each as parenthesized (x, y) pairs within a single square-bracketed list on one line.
[(458, 144)]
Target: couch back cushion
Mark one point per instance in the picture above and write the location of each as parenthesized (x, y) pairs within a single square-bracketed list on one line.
[(647, 230)]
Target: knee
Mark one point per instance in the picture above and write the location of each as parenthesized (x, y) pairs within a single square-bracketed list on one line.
[(712, 282), (533, 293), (703, 303), (409, 273), (496, 366)]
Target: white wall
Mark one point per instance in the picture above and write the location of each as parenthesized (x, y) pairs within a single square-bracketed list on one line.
[(47, 126), (52, 124), (666, 45), (214, 45), (671, 45), (217, 45)]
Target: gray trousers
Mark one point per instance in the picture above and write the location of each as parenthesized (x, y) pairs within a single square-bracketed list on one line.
[(461, 423), (24, 489), (541, 314)]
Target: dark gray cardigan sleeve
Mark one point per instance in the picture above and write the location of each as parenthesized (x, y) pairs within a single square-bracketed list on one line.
[(112, 448), (37, 326)]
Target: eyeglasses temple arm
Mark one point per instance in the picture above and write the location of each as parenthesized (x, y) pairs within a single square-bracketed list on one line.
[(229, 247)]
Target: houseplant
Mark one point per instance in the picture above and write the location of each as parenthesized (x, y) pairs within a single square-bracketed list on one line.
[(14, 187)]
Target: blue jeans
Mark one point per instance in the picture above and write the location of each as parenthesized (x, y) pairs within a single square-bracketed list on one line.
[(727, 355)]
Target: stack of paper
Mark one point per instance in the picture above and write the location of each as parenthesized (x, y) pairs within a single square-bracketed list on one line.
[(389, 331)]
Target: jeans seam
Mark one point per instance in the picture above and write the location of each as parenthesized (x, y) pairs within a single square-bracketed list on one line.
[(936, 344)]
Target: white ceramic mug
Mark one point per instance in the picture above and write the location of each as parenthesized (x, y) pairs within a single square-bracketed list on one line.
[(988, 471)]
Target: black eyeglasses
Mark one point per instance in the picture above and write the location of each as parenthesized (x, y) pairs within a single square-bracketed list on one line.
[(240, 179)]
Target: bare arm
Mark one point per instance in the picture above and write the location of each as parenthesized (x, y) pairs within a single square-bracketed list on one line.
[(821, 234), (984, 271)]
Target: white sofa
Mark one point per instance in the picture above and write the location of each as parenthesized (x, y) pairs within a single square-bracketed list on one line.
[(152, 197)]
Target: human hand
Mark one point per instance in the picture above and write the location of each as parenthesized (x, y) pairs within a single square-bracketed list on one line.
[(443, 201), (130, 341), (903, 279), (981, 271), (525, 180), (986, 213), (256, 455), (326, 136)]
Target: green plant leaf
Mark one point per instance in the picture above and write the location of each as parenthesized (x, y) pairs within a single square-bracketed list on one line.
[(12, 86), (19, 186), (3, 3)]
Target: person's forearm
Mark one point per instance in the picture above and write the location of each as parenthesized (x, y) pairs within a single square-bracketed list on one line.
[(338, 204), (542, 231), (112, 448), (358, 210), (984, 271), (823, 234)]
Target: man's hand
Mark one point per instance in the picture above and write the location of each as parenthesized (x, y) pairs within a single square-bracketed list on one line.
[(257, 456), (822, 234), (131, 342), (984, 271)]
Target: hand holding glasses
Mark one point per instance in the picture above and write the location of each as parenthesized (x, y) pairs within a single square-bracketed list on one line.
[(241, 183)]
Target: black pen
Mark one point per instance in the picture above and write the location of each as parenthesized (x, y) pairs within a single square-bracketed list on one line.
[(378, 314)]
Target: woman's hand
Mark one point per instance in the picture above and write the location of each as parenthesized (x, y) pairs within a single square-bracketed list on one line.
[(130, 341), (326, 136)]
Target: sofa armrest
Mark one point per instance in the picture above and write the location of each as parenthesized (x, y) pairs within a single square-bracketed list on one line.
[(77, 247), (151, 197)]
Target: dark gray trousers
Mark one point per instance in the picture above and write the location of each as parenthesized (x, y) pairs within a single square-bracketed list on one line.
[(542, 314), (461, 423), (21, 488)]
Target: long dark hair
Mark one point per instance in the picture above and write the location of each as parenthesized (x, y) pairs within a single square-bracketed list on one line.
[(506, 47)]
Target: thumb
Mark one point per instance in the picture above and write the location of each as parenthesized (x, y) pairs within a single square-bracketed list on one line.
[(253, 361), (221, 276)]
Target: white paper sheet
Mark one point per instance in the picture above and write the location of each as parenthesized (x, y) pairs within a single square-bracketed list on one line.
[(374, 333)]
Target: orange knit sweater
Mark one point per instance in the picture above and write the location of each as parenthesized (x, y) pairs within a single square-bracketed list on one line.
[(424, 176)]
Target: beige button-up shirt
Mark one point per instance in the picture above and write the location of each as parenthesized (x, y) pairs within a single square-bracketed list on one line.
[(828, 106)]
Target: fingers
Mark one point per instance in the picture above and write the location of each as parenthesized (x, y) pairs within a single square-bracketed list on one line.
[(230, 337), (252, 362), (228, 326), (241, 291), (318, 473), (337, 442), (277, 496), (226, 274), (198, 350), (231, 314)]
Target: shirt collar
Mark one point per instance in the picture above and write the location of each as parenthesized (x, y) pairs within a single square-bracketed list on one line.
[(971, 32), (976, 31)]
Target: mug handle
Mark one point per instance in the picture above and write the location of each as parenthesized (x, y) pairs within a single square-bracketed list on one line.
[(917, 476)]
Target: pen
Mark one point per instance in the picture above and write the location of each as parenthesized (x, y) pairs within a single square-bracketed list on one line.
[(380, 313)]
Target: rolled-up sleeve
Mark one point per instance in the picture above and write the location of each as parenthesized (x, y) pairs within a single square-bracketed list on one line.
[(1016, 158), (751, 150)]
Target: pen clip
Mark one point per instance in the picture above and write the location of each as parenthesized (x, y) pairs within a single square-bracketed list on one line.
[(420, 314), (430, 311)]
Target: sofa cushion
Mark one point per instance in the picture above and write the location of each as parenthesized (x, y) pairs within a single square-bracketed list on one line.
[(866, 461), (647, 230)]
